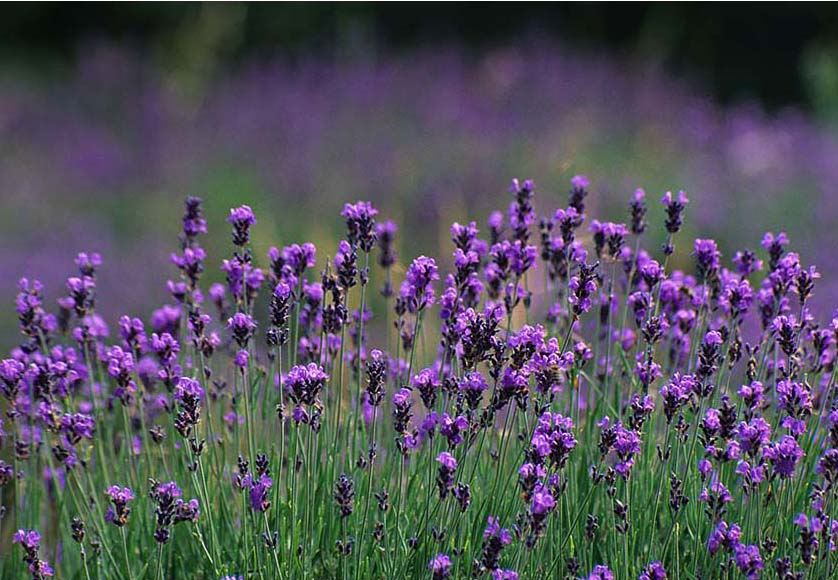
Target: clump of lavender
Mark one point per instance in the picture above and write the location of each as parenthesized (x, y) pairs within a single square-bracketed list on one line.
[(692, 399)]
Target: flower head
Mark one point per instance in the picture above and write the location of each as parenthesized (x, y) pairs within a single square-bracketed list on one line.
[(241, 218)]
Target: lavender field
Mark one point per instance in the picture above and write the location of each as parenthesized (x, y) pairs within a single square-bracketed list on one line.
[(580, 325)]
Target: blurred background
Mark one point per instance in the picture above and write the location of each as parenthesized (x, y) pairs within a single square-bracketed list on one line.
[(111, 114)]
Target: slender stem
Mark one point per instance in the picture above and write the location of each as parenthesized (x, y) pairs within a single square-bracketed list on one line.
[(125, 551)]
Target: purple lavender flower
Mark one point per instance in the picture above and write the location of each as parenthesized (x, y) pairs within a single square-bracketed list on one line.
[(753, 435), (386, 234), (746, 263), (188, 394), (601, 573), (188, 390), (88, 263), (445, 475), (166, 319), (11, 374), (774, 246), (625, 443), (553, 439), (794, 398), (752, 475), (259, 487), (119, 510), (724, 537), (34, 320), (440, 567), (828, 466), (303, 384), (402, 414), (542, 502), (426, 382), (707, 258), (473, 385), (579, 185), (81, 295), (814, 529), (243, 279), (376, 376), (748, 560), (521, 214), (708, 358), (171, 509), (345, 495), (737, 298), (77, 426), (453, 428), (417, 290), (637, 211), (654, 571), (242, 326), (804, 283), (495, 224), (193, 218), (346, 265), (447, 461), (582, 287), (716, 497), (190, 262), (494, 540), (7, 472), (465, 237), (121, 369), (676, 394), (241, 218), (608, 236), (674, 209), (783, 456), (360, 224), (289, 264), (30, 541)]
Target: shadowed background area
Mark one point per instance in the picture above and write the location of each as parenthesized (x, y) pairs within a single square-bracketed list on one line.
[(111, 115)]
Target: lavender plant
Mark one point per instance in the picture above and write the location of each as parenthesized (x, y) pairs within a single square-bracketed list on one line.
[(561, 403)]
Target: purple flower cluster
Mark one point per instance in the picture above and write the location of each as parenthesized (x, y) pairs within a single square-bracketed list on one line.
[(360, 224), (30, 541), (417, 291), (623, 442), (241, 218), (746, 557), (303, 384), (119, 510), (170, 509)]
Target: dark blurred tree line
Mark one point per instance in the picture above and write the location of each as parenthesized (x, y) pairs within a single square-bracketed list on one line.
[(779, 53)]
